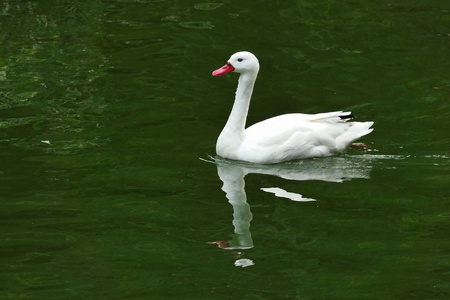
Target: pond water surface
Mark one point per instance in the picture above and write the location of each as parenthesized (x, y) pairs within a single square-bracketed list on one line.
[(109, 183)]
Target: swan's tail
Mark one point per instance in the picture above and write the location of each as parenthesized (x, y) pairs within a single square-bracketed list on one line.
[(332, 117), (347, 117), (355, 131)]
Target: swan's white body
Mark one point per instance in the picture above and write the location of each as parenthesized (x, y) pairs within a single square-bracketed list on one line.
[(281, 138)]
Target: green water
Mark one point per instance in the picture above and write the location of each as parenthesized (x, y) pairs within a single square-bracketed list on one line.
[(109, 115)]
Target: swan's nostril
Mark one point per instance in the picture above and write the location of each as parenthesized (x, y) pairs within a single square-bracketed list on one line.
[(223, 70)]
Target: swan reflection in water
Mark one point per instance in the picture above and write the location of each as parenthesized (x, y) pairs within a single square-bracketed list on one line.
[(232, 174)]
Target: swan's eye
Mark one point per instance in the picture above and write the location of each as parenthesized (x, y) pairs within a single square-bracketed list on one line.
[(240, 59)]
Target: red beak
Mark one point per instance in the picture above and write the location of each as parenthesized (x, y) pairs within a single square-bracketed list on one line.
[(224, 70)]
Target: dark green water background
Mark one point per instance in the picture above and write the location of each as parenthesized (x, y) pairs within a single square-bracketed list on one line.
[(106, 108)]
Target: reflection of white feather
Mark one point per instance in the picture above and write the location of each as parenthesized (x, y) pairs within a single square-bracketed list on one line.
[(244, 262), (284, 194), (331, 169)]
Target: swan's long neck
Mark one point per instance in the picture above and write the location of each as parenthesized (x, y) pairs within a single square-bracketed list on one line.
[(235, 125)]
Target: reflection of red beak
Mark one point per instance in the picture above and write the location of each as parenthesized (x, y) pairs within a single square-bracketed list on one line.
[(221, 244), (224, 70)]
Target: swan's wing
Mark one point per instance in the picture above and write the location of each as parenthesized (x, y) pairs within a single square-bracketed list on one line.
[(296, 136), (278, 129)]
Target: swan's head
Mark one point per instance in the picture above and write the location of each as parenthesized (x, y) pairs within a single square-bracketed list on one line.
[(240, 62)]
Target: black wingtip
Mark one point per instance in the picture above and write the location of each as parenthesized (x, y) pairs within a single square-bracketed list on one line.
[(347, 117)]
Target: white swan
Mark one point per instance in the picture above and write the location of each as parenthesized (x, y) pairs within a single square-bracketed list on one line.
[(281, 138)]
